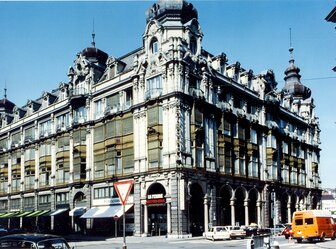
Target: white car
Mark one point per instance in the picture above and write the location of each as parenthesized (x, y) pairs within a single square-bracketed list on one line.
[(236, 232), (217, 233)]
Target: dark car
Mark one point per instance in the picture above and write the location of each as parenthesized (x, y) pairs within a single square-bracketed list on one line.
[(288, 231), (254, 230), (34, 241)]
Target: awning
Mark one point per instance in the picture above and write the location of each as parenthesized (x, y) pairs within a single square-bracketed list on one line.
[(23, 214), (9, 214), (57, 211), (106, 211), (77, 211), (37, 213)]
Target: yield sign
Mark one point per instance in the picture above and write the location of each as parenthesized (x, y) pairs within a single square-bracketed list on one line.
[(123, 189)]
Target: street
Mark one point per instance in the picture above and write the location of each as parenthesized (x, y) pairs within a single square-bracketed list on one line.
[(194, 243)]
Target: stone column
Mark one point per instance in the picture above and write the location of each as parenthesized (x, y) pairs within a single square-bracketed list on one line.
[(233, 213), (259, 213), (145, 220), (206, 213), (246, 205), (168, 218), (289, 215)]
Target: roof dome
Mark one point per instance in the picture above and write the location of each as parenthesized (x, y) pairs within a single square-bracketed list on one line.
[(94, 54), (172, 9), (6, 106), (293, 85)]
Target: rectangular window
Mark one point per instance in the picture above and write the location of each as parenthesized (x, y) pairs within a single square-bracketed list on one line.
[(16, 139), (29, 202), (4, 143), (154, 116), (99, 135), (309, 221), (128, 126), (99, 112), (128, 160), (241, 132), (128, 98), (113, 102), (228, 161), (45, 128), (154, 87), (80, 115), (44, 199), (29, 134), (62, 122), (299, 222), (254, 139), (227, 128)]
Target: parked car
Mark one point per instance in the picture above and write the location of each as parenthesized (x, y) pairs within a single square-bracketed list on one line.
[(278, 229), (3, 231), (288, 231), (236, 232), (255, 230), (34, 241), (217, 232)]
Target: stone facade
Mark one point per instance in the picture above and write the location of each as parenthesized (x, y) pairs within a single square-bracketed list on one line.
[(205, 142)]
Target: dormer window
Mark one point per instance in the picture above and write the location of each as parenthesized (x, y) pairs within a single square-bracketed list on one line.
[(193, 45), (154, 46)]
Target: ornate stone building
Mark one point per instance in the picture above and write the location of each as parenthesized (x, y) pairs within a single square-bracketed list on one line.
[(206, 142)]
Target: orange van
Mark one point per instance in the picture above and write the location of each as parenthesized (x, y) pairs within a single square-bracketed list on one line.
[(312, 224)]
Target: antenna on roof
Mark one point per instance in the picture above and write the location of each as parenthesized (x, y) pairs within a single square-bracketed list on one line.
[(290, 44), (5, 96), (93, 36)]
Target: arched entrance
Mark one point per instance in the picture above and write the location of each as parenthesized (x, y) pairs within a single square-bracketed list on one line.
[(252, 208), (225, 209), (293, 203), (314, 202), (157, 210), (79, 204), (239, 204), (284, 209), (196, 210)]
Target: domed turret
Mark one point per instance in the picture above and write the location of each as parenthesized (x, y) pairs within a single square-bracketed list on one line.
[(94, 54), (172, 9), (293, 85)]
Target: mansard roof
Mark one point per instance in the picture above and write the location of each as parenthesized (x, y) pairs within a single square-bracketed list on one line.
[(6, 106)]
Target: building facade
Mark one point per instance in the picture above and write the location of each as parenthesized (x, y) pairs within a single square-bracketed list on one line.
[(205, 142)]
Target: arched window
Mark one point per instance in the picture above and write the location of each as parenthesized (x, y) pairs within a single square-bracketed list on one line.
[(154, 45)]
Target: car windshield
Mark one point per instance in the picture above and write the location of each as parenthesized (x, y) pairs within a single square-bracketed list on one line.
[(53, 244), (16, 244)]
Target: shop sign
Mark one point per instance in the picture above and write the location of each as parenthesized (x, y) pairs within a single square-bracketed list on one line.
[(155, 201)]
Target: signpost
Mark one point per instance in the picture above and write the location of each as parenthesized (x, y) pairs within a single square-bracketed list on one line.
[(123, 189)]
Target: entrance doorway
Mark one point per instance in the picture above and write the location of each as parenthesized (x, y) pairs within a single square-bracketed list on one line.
[(157, 210), (196, 210)]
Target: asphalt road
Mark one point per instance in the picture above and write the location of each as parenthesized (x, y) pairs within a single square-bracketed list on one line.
[(192, 243)]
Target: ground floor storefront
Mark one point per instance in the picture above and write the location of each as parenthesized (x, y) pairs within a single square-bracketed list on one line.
[(174, 203)]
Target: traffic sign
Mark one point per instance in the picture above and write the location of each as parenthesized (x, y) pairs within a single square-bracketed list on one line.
[(123, 189)]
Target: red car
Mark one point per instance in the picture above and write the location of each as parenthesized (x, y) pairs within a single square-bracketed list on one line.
[(288, 231)]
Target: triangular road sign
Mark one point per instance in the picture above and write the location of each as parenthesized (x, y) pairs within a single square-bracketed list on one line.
[(123, 189)]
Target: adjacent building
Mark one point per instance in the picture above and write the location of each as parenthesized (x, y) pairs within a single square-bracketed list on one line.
[(205, 142)]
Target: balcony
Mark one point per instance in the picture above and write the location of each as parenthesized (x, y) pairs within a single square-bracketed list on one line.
[(196, 93), (78, 96), (110, 110), (153, 93)]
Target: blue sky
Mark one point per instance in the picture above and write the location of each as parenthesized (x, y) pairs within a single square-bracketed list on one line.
[(39, 41)]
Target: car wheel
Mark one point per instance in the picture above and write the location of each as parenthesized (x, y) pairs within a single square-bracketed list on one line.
[(286, 236), (333, 236), (299, 240)]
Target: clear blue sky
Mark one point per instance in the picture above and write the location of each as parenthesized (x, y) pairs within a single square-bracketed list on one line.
[(39, 41)]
